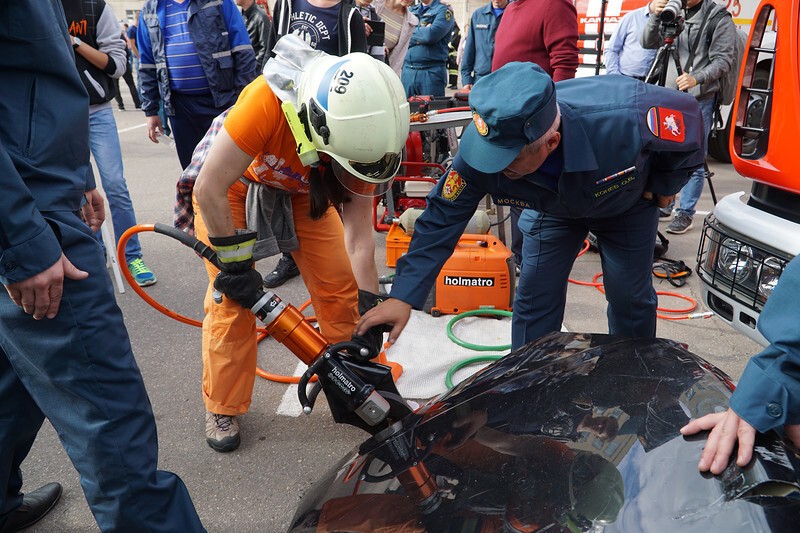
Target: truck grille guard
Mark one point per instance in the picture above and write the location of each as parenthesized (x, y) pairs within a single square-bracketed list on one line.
[(734, 267)]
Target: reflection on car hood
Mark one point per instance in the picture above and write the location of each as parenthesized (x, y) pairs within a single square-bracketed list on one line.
[(573, 432)]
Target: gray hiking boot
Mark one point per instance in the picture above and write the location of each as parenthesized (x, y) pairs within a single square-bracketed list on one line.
[(222, 432)]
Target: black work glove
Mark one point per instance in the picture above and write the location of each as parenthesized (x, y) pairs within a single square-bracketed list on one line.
[(373, 338), (237, 279)]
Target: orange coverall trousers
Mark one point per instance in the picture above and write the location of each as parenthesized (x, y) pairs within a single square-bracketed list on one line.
[(229, 331)]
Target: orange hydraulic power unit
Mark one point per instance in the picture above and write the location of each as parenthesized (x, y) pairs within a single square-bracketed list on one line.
[(479, 274)]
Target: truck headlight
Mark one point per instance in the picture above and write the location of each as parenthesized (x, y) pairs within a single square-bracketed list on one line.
[(735, 260), (769, 271)]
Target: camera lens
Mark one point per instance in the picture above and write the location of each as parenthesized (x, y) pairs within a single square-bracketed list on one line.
[(671, 11)]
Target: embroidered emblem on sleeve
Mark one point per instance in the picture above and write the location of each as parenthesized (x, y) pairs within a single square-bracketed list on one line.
[(453, 185), (666, 124)]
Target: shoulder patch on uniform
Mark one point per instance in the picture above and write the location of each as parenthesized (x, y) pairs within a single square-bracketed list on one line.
[(453, 185), (448, 14), (666, 124)]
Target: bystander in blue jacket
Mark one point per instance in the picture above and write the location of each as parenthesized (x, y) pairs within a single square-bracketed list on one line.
[(65, 354), (208, 40), (425, 66), (476, 60)]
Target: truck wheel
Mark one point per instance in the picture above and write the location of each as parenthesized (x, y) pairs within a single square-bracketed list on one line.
[(756, 109), (718, 141)]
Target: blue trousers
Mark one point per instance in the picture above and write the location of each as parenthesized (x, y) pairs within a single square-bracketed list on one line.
[(424, 81), (107, 152), (550, 247), (78, 370), (690, 194), (193, 116)]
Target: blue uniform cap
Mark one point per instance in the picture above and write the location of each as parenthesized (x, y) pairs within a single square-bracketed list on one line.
[(511, 107)]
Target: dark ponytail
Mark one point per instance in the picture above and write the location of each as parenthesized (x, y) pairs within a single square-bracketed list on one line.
[(324, 190)]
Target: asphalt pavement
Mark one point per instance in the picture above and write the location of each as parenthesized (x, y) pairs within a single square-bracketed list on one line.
[(257, 488)]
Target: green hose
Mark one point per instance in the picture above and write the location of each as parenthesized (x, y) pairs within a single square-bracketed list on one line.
[(448, 380), (477, 347)]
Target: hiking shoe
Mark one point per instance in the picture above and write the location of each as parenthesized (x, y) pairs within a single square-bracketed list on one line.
[(680, 224), (141, 274), (285, 270), (222, 432), (664, 212)]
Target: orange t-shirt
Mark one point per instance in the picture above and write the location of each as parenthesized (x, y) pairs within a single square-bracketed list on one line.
[(257, 126)]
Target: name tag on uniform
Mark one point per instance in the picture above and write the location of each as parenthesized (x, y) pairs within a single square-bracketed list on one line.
[(512, 202), (481, 26), (614, 182)]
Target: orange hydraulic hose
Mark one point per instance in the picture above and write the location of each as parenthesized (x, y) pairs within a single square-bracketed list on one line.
[(261, 332), (686, 312)]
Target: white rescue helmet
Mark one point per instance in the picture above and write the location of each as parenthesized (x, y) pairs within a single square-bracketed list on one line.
[(356, 111)]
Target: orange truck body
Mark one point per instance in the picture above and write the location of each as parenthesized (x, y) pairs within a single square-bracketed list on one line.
[(750, 237)]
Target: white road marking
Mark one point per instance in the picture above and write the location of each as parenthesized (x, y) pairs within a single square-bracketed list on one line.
[(290, 405), (144, 125)]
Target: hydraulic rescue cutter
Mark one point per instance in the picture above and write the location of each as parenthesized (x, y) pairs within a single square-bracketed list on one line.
[(360, 392)]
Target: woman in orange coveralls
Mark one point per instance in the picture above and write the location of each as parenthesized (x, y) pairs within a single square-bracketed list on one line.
[(354, 114)]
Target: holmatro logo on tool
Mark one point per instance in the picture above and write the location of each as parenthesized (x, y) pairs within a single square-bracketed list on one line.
[(465, 281)]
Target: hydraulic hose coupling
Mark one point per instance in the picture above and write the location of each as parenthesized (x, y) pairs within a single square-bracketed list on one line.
[(705, 314)]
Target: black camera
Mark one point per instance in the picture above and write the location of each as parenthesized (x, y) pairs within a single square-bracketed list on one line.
[(672, 18), (673, 11)]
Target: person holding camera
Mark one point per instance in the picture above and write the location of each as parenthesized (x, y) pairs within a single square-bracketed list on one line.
[(707, 51)]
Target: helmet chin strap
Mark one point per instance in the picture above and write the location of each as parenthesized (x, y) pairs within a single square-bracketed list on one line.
[(305, 148)]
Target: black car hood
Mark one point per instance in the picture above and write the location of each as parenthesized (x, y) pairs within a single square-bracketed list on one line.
[(573, 432)]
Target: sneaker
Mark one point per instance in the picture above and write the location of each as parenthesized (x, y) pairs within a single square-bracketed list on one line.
[(141, 274), (285, 270), (680, 224), (222, 432), (665, 212)]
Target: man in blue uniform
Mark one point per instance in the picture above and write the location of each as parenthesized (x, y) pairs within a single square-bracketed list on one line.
[(425, 67), (602, 164), (64, 349), (479, 48), (768, 395)]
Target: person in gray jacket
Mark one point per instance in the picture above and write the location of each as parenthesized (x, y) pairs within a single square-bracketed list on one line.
[(100, 59), (712, 58)]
